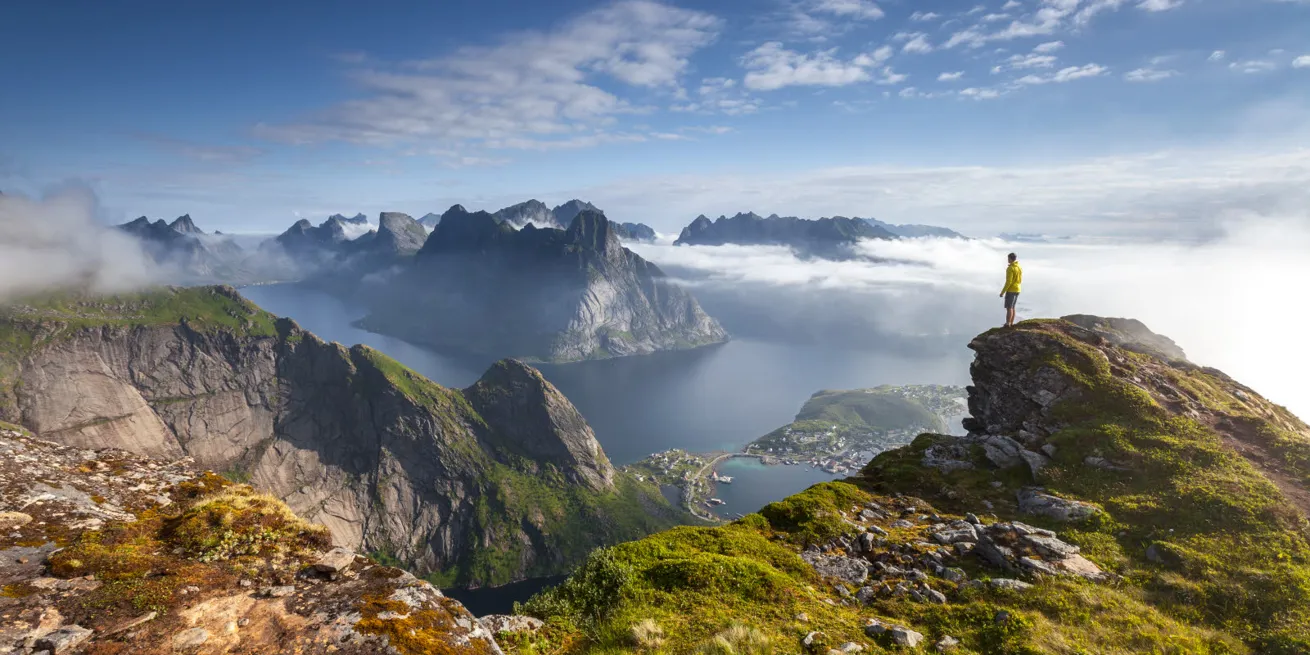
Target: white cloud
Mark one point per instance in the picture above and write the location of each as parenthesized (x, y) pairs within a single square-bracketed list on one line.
[(1217, 55), (1301, 62), (1149, 75), (1031, 61), (981, 93), (1051, 17), (995, 18), (1011, 4), (1048, 47), (857, 9), (56, 242), (533, 86), (950, 76), (1064, 75), (719, 95), (918, 44), (923, 17), (948, 287), (1252, 66), (772, 66), (1159, 5)]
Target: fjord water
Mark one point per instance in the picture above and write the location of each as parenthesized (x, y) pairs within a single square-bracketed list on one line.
[(714, 398)]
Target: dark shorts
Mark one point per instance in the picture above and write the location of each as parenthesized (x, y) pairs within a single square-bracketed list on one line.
[(1011, 299)]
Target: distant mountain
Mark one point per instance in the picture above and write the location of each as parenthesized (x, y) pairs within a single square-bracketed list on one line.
[(826, 237), (547, 294), (303, 236), (565, 213), (430, 220), (913, 231), (187, 253), (634, 231), (532, 211), (357, 219)]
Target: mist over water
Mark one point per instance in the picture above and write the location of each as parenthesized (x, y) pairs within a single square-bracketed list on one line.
[(1234, 302)]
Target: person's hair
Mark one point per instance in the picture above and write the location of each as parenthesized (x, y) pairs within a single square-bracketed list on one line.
[(1013, 256)]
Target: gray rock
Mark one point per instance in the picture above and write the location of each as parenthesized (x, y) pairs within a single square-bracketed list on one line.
[(1038, 502), (972, 518), (1009, 584), (64, 640), (1051, 547), (954, 574), (874, 628), (866, 595), (335, 561), (1037, 566), (956, 535), (812, 639), (935, 596), (281, 591), (906, 637), (850, 647), (514, 623), (192, 638), (946, 643), (1002, 451), (902, 523), (846, 569)]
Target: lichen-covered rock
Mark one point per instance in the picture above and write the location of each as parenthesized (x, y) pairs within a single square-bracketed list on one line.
[(73, 585), (1036, 501)]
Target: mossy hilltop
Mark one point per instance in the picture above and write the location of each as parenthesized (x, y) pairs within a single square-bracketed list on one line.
[(1185, 491), (442, 480)]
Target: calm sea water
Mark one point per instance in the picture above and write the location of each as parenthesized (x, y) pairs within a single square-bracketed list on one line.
[(716, 398)]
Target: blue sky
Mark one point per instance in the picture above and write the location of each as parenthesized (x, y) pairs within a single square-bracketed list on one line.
[(1059, 116)]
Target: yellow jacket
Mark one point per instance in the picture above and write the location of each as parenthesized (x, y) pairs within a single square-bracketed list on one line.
[(1013, 278)]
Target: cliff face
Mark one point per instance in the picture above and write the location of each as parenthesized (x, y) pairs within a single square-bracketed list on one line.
[(102, 551), (1110, 498), (546, 294), (488, 485)]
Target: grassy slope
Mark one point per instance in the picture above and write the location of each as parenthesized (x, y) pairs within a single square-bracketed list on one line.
[(1236, 577), (872, 408)]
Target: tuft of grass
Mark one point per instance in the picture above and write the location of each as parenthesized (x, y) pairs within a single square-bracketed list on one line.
[(239, 522)]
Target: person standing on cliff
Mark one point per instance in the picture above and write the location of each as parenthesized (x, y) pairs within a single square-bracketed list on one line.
[(1013, 280)]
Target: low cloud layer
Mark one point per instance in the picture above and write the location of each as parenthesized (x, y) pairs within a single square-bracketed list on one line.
[(56, 242), (1233, 302)]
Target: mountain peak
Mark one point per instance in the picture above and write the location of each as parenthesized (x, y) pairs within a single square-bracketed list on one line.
[(534, 419), (184, 225)]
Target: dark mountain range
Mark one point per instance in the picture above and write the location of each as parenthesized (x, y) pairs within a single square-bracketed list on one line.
[(532, 211), (913, 231), (826, 237), (634, 231), (565, 213), (430, 220), (357, 219), (187, 253), (544, 294)]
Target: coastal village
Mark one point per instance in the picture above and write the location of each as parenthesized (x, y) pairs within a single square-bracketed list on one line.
[(837, 432)]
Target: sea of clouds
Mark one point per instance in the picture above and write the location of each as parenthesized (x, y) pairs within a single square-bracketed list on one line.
[(1236, 301)]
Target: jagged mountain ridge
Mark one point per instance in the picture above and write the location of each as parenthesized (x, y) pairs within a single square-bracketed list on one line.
[(828, 237), (1109, 498), (482, 486), (548, 294), (187, 253)]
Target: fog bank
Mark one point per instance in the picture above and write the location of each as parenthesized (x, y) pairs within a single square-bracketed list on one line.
[(56, 242), (1235, 302)]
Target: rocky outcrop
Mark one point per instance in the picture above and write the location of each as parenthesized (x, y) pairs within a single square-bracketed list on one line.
[(102, 561), (1130, 334), (470, 484), (539, 294)]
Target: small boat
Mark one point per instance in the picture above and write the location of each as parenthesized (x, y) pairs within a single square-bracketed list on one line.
[(714, 501)]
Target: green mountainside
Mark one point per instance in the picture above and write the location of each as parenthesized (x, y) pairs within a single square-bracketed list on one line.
[(486, 485), (1106, 501)]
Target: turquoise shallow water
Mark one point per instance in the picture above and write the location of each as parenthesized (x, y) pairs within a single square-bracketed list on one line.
[(755, 485)]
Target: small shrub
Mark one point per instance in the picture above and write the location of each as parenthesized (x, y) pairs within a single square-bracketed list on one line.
[(737, 640), (646, 633)]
